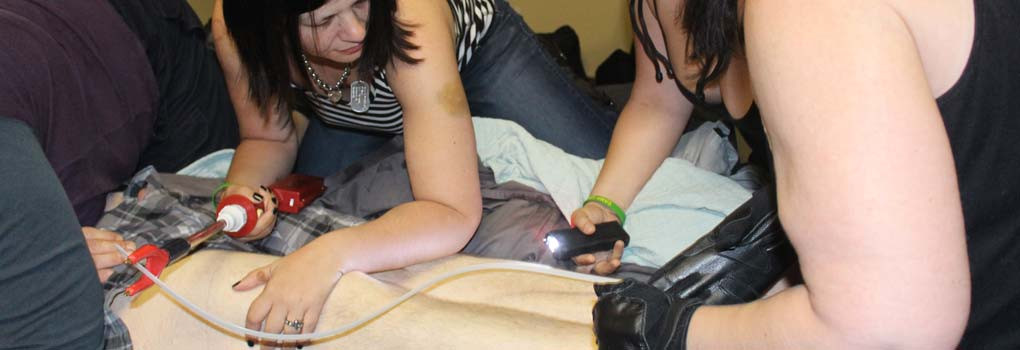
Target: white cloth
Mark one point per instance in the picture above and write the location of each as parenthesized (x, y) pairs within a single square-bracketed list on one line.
[(492, 310), (679, 204)]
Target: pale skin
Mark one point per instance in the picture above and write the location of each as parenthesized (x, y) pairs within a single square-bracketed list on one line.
[(865, 176), (102, 246), (440, 153)]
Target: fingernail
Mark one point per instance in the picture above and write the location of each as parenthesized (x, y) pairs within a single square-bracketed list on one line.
[(251, 343), (235, 285), (274, 199), (258, 197), (265, 188), (300, 346), (276, 211)]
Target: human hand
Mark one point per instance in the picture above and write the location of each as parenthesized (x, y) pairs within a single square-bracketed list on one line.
[(296, 289), (266, 216), (635, 315), (585, 219), (101, 245)]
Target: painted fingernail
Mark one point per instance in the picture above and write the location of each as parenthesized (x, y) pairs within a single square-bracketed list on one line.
[(258, 197), (300, 346), (264, 188), (274, 199), (276, 211), (251, 343), (235, 285)]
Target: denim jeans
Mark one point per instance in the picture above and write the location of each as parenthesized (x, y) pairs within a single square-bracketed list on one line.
[(50, 296), (510, 76)]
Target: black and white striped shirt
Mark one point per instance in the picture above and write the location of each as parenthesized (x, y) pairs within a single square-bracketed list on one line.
[(384, 114)]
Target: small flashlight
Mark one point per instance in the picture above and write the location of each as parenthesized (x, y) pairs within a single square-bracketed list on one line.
[(568, 243)]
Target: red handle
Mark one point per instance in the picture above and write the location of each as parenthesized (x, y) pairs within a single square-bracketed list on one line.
[(156, 260)]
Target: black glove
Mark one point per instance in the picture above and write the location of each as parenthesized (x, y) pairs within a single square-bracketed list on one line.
[(737, 262), (635, 316)]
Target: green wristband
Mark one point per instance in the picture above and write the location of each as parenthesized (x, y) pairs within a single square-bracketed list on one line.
[(608, 203), (220, 188)]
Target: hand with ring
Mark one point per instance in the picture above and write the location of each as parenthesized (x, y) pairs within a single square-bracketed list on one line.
[(296, 288)]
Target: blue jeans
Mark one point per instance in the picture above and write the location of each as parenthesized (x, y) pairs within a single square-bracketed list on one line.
[(50, 296), (510, 76)]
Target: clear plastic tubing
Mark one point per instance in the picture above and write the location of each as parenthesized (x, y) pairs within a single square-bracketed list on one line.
[(504, 266)]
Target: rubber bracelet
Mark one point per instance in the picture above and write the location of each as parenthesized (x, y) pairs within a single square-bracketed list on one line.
[(608, 203), (216, 193)]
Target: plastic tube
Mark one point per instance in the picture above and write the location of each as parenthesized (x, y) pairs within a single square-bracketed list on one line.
[(511, 266)]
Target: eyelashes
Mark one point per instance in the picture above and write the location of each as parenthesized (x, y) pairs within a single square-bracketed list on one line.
[(324, 21)]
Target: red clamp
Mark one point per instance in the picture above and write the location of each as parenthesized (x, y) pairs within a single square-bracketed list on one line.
[(156, 260)]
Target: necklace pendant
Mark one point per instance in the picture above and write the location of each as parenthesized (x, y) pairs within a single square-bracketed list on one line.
[(335, 96), (360, 96)]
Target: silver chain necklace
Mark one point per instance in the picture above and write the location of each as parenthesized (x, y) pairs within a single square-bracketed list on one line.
[(333, 93), (360, 98)]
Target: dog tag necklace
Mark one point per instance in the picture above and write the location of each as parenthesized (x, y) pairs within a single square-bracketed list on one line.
[(360, 91), (333, 93)]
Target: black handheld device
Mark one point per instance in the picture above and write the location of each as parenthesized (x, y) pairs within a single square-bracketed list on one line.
[(568, 243)]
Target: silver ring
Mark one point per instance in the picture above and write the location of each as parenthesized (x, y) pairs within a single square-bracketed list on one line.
[(297, 325)]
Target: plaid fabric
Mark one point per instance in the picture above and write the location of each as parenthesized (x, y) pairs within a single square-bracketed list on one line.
[(183, 206)]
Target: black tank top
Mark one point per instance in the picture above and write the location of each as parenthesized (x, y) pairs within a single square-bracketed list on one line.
[(981, 113), (982, 116)]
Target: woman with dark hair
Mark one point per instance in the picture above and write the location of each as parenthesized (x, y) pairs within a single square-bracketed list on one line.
[(891, 125), (363, 71)]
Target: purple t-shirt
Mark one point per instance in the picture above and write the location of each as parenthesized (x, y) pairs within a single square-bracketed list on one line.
[(75, 73)]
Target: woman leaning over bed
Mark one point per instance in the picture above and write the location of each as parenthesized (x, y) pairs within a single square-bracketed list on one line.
[(891, 124), (417, 67)]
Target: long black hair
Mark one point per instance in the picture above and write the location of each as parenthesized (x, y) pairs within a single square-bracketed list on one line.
[(268, 42), (714, 35)]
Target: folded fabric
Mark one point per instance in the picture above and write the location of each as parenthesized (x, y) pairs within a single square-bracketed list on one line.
[(679, 204), (212, 165), (708, 147)]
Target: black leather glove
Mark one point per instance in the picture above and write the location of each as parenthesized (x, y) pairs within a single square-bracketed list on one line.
[(635, 316), (737, 262)]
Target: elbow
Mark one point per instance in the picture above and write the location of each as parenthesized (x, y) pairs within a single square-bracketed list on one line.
[(470, 219), (465, 222), (927, 324)]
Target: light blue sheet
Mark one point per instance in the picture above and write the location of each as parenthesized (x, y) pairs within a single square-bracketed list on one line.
[(212, 165), (679, 204)]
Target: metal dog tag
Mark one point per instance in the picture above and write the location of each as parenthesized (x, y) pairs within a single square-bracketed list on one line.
[(360, 96)]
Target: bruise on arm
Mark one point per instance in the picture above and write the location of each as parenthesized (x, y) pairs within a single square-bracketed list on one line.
[(453, 100)]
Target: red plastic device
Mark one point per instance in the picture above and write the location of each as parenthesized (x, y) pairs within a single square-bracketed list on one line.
[(297, 191), (292, 193)]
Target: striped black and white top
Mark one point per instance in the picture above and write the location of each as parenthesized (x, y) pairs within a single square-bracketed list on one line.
[(384, 114)]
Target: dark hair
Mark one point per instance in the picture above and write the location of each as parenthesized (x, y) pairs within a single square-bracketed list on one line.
[(714, 35), (268, 42)]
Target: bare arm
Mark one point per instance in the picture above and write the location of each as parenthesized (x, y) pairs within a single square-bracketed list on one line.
[(441, 158), (867, 186), (269, 138), (442, 164), (647, 130)]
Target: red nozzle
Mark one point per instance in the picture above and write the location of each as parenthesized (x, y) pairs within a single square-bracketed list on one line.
[(251, 216)]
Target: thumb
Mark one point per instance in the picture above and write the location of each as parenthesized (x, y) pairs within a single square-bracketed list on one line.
[(582, 221), (255, 278)]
